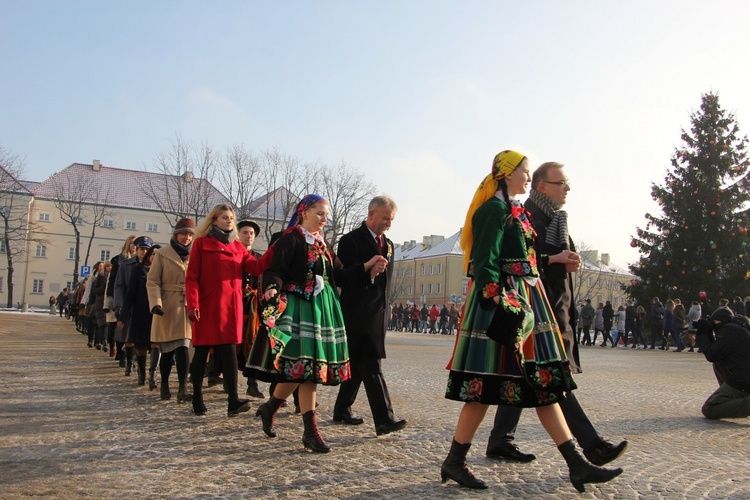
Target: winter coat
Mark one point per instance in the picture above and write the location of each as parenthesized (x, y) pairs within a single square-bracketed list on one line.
[(694, 314), (97, 298), (135, 307), (599, 319), (608, 314), (214, 285), (587, 316), (165, 284), (620, 315)]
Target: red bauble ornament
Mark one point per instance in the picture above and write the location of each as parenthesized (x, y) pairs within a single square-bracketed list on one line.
[(743, 230), (686, 227), (633, 243), (702, 295), (713, 214)]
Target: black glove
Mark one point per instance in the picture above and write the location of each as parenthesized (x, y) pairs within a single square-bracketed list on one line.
[(117, 312), (157, 310), (704, 327)]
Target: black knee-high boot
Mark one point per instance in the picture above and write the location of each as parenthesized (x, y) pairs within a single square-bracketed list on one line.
[(165, 368), (581, 471), (227, 357), (155, 355), (454, 467), (267, 413), (197, 372), (182, 360), (129, 355), (311, 437), (141, 359)]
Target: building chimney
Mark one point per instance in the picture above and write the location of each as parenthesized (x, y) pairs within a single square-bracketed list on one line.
[(188, 176), (97, 165), (605, 259)]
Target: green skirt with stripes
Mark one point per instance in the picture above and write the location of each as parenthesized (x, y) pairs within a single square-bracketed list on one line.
[(308, 343), (535, 373)]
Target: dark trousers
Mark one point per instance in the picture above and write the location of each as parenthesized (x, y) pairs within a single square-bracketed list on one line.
[(506, 421), (227, 353), (367, 372)]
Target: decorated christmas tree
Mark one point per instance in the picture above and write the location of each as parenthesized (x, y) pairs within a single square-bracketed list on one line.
[(699, 242)]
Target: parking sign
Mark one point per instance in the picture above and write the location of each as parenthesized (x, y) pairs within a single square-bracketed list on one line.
[(85, 271)]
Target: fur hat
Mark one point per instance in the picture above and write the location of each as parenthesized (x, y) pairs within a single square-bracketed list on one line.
[(184, 226)]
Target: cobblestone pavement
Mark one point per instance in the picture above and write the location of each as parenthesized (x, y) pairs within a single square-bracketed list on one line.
[(73, 426)]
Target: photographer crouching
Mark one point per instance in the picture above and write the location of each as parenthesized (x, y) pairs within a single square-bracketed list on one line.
[(729, 350)]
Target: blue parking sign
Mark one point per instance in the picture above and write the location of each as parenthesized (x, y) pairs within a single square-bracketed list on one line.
[(85, 271)]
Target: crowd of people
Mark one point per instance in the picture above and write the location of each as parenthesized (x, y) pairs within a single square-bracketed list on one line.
[(663, 324), (301, 316), (411, 318)]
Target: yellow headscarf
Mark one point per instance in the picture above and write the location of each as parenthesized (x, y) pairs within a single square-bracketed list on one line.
[(503, 165)]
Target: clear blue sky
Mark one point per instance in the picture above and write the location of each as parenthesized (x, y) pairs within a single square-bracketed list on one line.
[(419, 95)]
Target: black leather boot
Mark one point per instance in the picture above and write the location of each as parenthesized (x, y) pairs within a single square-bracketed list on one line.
[(153, 363), (141, 369), (311, 437), (581, 471), (237, 406), (267, 413), (164, 390), (455, 468), (182, 395), (129, 354), (252, 389)]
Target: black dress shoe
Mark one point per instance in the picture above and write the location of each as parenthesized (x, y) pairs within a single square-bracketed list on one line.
[(605, 452), (237, 407), (348, 419), (392, 426), (509, 451)]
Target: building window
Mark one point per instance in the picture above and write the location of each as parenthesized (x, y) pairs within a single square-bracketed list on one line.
[(421, 288), (437, 288), (104, 255), (130, 225), (591, 282), (599, 283), (152, 228), (429, 287), (41, 251), (422, 269), (108, 223), (440, 268), (79, 221), (44, 217), (71, 253), (37, 286), (430, 269), (69, 285), (464, 288), (1, 284), (408, 290), (3, 248)]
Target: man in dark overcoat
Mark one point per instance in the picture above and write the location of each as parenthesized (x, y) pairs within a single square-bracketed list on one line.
[(549, 189), (366, 315)]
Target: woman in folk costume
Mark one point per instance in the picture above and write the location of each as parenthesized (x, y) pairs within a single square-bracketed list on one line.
[(509, 349), (170, 327), (303, 342)]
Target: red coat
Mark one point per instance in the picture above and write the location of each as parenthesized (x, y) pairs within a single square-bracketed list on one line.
[(214, 285)]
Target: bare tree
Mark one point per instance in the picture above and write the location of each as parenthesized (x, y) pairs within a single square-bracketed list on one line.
[(284, 181), (71, 194), (240, 178), (96, 213), (15, 216), (348, 194), (183, 186)]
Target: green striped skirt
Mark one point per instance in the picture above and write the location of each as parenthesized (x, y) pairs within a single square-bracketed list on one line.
[(536, 373), (308, 343)]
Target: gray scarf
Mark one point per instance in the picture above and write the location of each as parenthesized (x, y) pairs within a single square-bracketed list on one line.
[(557, 230)]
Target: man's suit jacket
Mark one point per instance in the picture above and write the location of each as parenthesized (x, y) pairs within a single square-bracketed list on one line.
[(558, 283), (365, 309)]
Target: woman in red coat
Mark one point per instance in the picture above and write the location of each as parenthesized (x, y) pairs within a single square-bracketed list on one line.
[(213, 295)]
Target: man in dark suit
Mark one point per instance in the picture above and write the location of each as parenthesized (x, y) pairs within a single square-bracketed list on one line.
[(366, 314), (549, 190)]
